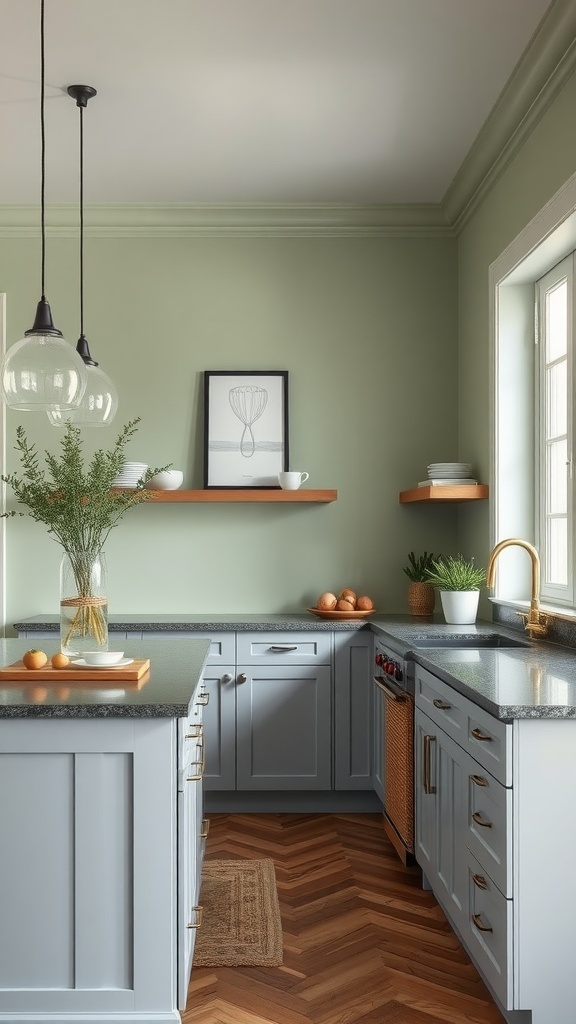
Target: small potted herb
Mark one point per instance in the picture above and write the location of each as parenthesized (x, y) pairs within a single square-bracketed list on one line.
[(459, 580), (421, 596)]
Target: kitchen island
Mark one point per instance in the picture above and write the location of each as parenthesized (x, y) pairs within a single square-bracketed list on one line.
[(101, 847)]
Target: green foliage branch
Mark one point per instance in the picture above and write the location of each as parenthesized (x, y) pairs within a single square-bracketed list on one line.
[(456, 573), (77, 503)]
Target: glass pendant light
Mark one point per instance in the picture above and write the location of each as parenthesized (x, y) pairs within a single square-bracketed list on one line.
[(99, 402), (42, 371)]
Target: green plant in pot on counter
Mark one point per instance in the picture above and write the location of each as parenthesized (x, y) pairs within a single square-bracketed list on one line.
[(79, 506), (459, 580), (421, 596)]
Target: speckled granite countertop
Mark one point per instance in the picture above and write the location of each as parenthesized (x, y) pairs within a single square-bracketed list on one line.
[(175, 669), (303, 621), (538, 681)]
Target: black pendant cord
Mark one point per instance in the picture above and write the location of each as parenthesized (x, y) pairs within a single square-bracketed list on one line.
[(82, 93), (43, 324), (42, 157), (81, 222)]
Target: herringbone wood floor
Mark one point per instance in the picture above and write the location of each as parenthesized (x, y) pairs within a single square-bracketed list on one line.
[(363, 943)]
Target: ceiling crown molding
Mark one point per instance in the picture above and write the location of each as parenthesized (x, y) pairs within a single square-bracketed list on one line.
[(544, 68), (229, 219)]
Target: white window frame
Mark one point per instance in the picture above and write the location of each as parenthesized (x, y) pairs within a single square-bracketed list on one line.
[(544, 242), (562, 272)]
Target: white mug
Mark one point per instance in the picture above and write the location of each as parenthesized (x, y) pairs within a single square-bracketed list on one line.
[(292, 481)]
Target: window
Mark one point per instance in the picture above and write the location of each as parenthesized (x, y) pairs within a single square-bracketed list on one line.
[(555, 431)]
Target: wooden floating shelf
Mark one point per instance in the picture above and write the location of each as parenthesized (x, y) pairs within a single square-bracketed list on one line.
[(245, 496), (445, 492)]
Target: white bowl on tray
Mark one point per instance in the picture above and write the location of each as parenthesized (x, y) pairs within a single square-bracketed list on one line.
[(102, 657)]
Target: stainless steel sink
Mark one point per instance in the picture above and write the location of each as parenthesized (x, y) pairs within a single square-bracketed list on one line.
[(474, 641)]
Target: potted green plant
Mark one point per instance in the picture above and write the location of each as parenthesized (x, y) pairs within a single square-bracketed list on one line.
[(459, 580), (421, 596), (79, 506)]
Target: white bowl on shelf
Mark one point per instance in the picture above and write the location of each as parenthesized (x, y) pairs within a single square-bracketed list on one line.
[(102, 657), (167, 480)]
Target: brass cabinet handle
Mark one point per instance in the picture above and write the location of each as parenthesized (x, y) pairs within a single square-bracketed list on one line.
[(476, 920), (199, 910), (194, 735), (441, 704), (203, 698), (205, 828), (241, 678), (481, 821), (194, 764), (479, 780), (480, 881), (478, 735), (428, 787)]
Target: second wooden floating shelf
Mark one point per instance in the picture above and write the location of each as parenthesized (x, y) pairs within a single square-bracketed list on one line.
[(245, 496), (445, 492)]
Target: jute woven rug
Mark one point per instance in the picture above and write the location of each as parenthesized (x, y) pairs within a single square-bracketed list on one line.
[(241, 924)]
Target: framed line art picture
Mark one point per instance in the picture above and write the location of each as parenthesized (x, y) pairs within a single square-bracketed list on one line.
[(245, 427)]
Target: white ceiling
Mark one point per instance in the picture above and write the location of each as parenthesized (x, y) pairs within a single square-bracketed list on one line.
[(243, 101)]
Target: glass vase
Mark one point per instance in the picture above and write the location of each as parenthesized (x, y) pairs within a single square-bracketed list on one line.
[(83, 602)]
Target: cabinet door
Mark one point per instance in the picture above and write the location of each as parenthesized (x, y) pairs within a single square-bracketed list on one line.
[(441, 793), (220, 727), (353, 714), (378, 772), (283, 727)]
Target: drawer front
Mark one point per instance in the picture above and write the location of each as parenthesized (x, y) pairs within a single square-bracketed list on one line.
[(488, 936), (284, 648), (488, 740), (489, 825), (444, 705), (222, 645), (490, 743)]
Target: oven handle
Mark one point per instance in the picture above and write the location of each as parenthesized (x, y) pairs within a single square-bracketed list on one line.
[(391, 690)]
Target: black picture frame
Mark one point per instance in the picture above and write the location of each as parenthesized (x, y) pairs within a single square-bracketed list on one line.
[(245, 428)]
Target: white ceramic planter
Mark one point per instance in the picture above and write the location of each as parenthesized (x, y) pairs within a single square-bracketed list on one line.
[(460, 606)]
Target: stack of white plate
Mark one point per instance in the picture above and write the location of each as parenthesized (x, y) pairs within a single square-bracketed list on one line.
[(130, 474), (450, 469), (448, 473)]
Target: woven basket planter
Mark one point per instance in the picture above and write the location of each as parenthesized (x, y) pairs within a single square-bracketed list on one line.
[(421, 598)]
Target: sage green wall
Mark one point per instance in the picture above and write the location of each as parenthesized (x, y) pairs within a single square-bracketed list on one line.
[(546, 160), (366, 328)]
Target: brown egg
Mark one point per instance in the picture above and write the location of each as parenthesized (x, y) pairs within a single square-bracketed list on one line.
[(348, 595), (365, 604), (344, 606), (326, 602)]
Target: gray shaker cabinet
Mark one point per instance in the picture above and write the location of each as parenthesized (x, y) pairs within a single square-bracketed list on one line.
[(353, 712), (283, 727)]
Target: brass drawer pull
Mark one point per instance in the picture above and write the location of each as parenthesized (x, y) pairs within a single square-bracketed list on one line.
[(428, 787), (198, 911), (480, 881), (478, 924), (481, 821), (205, 828), (203, 698), (194, 735), (196, 777), (478, 735), (479, 780), (441, 704)]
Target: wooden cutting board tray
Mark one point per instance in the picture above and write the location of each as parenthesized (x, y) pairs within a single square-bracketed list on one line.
[(17, 672)]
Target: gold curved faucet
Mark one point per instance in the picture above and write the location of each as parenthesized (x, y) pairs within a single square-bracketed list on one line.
[(535, 621)]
